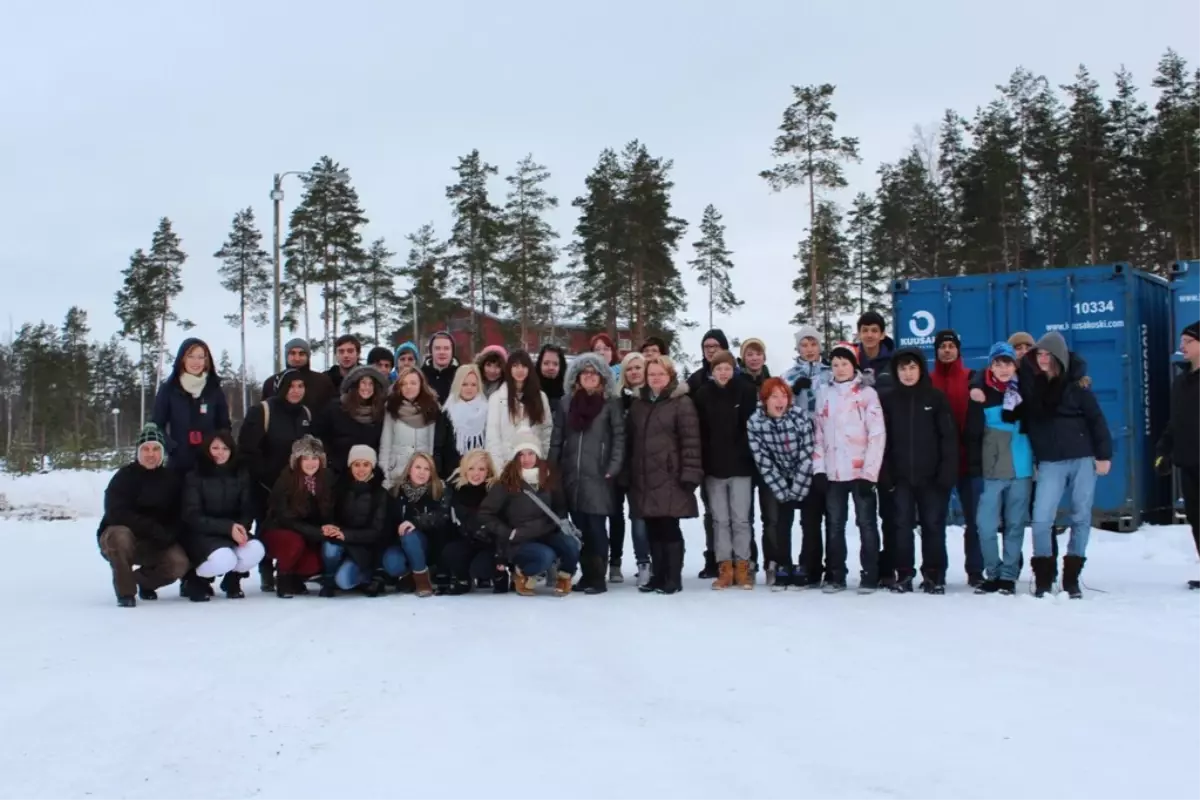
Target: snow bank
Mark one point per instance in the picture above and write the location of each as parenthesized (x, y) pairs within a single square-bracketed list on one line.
[(61, 494)]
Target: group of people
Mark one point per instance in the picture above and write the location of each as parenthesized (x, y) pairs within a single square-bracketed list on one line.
[(428, 476)]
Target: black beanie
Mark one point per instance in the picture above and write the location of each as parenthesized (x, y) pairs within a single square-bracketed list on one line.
[(378, 354), (1193, 331), (947, 335)]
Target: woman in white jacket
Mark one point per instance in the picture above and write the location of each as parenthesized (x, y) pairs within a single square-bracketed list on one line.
[(414, 423), (467, 409), (519, 406)]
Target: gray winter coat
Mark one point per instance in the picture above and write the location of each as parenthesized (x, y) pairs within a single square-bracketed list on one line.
[(584, 458)]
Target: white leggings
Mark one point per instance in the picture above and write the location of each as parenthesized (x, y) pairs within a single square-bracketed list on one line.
[(229, 559)]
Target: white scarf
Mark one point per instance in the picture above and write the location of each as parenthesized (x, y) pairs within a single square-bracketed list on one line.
[(193, 384), (530, 476), (470, 422)]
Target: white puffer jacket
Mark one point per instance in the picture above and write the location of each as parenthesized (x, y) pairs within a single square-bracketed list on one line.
[(397, 445), (502, 431)]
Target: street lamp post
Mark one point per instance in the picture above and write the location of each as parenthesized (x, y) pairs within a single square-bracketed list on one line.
[(277, 199), (116, 415)]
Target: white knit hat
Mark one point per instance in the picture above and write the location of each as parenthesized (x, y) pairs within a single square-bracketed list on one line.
[(525, 442), (362, 452), (807, 332)]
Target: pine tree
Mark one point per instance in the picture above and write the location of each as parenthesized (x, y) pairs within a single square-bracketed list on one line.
[(428, 272), (952, 155), (165, 259), (994, 193), (712, 264), (375, 302), (527, 250), (245, 271), (832, 293), (323, 247), (1172, 149), (137, 311), (475, 237), (815, 155), (1124, 209), (1087, 164), (868, 284), (656, 293), (912, 234), (598, 272), (73, 382), (1038, 115)]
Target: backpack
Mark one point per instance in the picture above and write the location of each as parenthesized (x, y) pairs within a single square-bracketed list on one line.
[(266, 407)]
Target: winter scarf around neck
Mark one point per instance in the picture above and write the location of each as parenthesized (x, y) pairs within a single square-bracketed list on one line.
[(1012, 395), (363, 411), (310, 484), (530, 476), (469, 418), (411, 415), (585, 407), (193, 384), (413, 493)]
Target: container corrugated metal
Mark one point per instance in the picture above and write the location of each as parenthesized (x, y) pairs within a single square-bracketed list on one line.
[(1185, 309), (1115, 317)]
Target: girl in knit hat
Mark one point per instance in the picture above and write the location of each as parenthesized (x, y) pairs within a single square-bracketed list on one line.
[(300, 517), (492, 362), (360, 513)]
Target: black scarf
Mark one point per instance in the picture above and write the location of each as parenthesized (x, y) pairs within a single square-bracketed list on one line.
[(585, 407)]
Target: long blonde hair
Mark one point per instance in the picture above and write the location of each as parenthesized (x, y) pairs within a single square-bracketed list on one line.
[(460, 375), (458, 478), (436, 488)]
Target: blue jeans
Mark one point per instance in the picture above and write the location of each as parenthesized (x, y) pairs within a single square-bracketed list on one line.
[(406, 555), (1053, 478), (345, 573), (616, 532), (968, 490), (595, 532), (1013, 496), (534, 558)]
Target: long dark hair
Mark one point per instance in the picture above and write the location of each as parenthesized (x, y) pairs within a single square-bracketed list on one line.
[(205, 464), (510, 477), (529, 397), (298, 497), (351, 398), (426, 400)]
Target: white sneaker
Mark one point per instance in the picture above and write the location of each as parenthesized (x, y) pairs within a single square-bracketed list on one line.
[(643, 575), (614, 574)]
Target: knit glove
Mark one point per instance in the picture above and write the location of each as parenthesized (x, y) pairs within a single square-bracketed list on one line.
[(1012, 398)]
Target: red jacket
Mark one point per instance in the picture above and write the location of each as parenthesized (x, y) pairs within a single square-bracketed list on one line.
[(954, 381)]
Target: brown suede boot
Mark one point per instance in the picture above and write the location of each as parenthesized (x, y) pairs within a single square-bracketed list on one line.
[(741, 575), (421, 581), (523, 583), (562, 587), (724, 575)]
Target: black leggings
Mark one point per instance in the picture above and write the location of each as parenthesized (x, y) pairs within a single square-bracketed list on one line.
[(663, 530)]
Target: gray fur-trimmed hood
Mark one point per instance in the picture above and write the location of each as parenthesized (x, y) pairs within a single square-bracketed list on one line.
[(350, 382), (607, 379)]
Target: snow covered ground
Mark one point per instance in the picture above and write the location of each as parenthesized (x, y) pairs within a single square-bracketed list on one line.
[(702, 694)]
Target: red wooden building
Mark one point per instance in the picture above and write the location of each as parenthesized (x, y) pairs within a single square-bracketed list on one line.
[(493, 329)]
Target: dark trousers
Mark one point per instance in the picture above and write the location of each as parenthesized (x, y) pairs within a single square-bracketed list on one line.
[(465, 559), (836, 504), (663, 530), (1189, 486), (887, 524), (929, 504), (969, 489), (777, 537), (813, 513), (160, 564), (595, 534), (616, 527)]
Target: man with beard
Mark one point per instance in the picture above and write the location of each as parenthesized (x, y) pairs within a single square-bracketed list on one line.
[(318, 388)]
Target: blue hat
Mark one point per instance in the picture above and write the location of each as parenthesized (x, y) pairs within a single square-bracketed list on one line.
[(1002, 350)]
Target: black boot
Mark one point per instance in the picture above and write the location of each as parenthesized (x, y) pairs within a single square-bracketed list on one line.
[(197, 590), (147, 594), (1072, 566), (126, 601), (594, 569), (1043, 574), (231, 585), (328, 587), (500, 582), (266, 575), (710, 566), (658, 567), (673, 578), (284, 586), (1194, 584), (375, 587)]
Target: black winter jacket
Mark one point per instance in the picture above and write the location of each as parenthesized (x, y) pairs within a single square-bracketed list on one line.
[(308, 523), (1063, 418), (724, 441), (465, 502), (265, 453), (514, 519), (146, 501), (1180, 442), (185, 420), (361, 513), (338, 431), (922, 436), (214, 498), (430, 517), (585, 457)]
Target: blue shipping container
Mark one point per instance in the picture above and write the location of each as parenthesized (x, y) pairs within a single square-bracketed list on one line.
[(1185, 309), (1115, 317)]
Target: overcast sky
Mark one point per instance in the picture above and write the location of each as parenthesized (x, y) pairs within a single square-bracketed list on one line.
[(115, 114)]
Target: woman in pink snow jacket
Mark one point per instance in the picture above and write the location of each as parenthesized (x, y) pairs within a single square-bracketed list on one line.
[(850, 437)]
